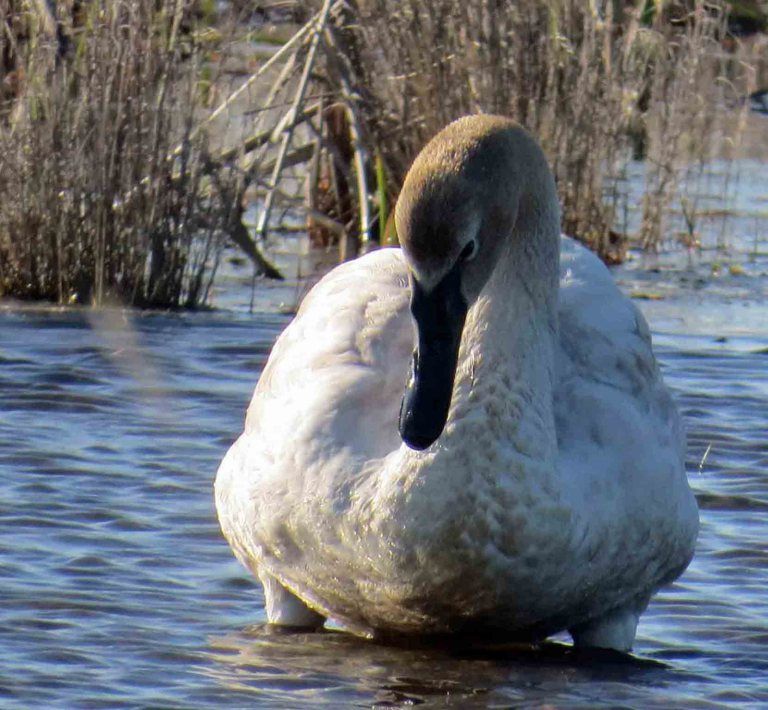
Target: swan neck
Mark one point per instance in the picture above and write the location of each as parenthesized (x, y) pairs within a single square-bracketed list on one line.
[(505, 378)]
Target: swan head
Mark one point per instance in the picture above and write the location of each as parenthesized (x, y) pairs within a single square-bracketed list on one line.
[(456, 212)]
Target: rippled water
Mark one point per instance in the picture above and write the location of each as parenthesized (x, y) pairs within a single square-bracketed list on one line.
[(117, 588)]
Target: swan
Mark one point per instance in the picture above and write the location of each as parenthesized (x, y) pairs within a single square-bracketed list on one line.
[(512, 466)]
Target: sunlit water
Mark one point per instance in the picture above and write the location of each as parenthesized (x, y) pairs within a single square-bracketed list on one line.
[(117, 589)]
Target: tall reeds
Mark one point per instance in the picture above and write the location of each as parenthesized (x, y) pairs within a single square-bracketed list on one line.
[(598, 82), (108, 191), (105, 195)]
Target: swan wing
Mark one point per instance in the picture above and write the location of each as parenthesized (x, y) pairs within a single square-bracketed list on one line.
[(324, 410), (620, 438), (335, 376)]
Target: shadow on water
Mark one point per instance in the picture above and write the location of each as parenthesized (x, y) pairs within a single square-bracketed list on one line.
[(333, 666)]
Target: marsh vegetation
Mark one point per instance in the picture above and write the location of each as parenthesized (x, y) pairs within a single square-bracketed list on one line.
[(130, 150), (107, 191)]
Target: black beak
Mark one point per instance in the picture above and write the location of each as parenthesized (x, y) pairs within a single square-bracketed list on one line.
[(439, 317)]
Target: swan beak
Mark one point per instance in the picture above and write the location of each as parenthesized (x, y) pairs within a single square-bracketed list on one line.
[(439, 315)]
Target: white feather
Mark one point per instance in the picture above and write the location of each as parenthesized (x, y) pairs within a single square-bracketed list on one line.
[(554, 499)]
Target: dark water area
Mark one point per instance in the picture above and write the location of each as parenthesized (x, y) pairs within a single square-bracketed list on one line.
[(117, 590)]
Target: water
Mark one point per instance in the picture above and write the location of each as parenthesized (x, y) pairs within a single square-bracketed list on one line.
[(118, 590)]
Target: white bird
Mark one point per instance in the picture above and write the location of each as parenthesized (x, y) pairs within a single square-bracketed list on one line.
[(513, 469)]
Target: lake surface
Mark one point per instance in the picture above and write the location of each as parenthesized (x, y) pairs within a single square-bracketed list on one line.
[(117, 589)]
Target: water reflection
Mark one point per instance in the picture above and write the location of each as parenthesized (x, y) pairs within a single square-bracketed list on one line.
[(339, 668)]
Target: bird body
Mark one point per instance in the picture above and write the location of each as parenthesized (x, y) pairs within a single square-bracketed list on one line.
[(550, 495)]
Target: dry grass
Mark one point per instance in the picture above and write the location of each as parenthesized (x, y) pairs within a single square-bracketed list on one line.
[(93, 209), (110, 191), (597, 81)]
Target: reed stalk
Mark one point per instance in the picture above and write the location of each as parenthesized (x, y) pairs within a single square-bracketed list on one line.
[(598, 82), (99, 205)]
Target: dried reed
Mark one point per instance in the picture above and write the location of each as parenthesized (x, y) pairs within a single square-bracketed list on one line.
[(93, 208), (110, 193), (597, 81)]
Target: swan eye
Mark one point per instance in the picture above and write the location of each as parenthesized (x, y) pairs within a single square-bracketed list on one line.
[(469, 251)]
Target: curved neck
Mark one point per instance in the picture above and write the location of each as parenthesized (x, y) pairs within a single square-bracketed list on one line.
[(502, 397), (506, 369)]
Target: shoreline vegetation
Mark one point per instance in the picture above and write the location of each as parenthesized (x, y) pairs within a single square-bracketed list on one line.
[(136, 134)]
